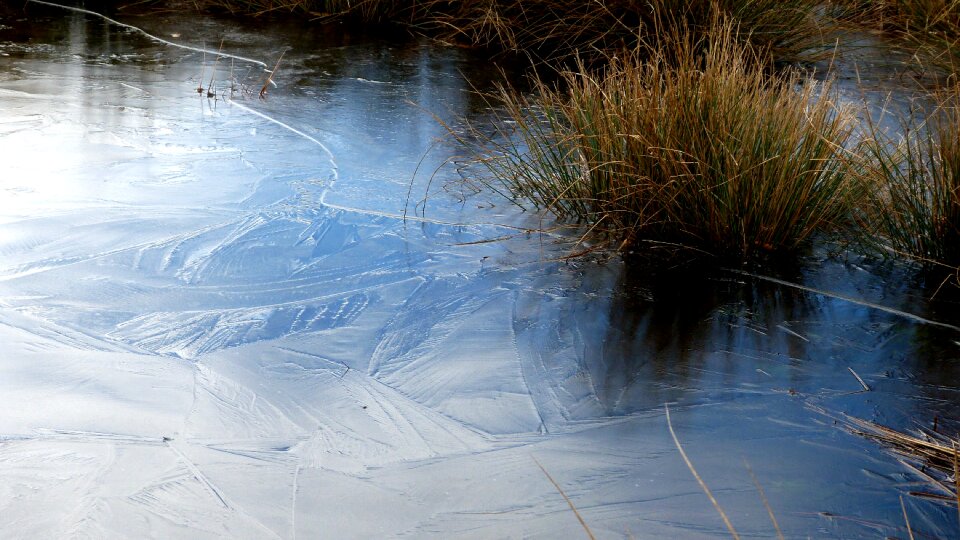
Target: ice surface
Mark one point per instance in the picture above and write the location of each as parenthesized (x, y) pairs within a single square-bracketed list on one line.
[(215, 323)]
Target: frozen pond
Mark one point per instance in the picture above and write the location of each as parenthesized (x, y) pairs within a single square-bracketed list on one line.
[(215, 323)]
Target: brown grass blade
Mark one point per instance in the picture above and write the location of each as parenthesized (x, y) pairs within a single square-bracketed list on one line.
[(583, 523), (956, 477), (213, 72), (932, 496), (693, 470), (922, 473), (905, 518), (937, 453), (766, 502)]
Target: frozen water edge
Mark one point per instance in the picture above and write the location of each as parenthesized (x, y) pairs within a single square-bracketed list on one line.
[(195, 345)]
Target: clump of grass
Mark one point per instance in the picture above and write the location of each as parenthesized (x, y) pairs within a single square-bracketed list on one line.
[(688, 142), (930, 27), (915, 189)]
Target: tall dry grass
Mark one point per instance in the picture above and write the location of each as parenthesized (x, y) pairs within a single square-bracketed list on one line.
[(789, 30), (928, 28), (370, 11), (913, 178), (690, 142)]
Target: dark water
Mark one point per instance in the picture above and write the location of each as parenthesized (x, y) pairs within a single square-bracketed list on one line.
[(216, 322)]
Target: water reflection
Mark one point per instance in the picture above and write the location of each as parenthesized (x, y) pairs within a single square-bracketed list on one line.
[(687, 333), (691, 337)]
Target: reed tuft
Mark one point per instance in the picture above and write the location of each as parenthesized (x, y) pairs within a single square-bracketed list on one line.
[(914, 187), (930, 29), (688, 142)]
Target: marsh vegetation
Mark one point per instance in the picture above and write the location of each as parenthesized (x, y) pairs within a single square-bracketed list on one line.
[(704, 125), (688, 142), (913, 181), (257, 251), (928, 29)]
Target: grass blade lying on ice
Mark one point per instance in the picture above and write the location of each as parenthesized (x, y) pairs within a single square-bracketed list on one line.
[(583, 522), (766, 502), (703, 485)]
